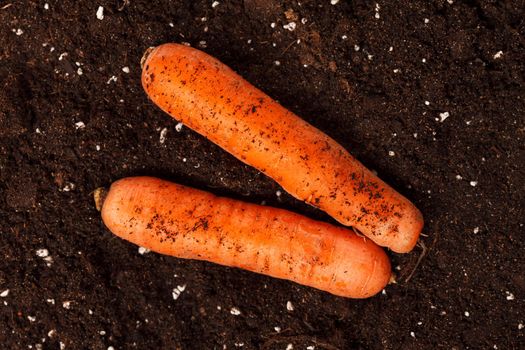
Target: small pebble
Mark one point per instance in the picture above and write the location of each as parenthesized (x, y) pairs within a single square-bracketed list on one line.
[(290, 26), (143, 250), (42, 253), (163, 134), (443, 116), (80, 125), (100, 13), (177, 291)]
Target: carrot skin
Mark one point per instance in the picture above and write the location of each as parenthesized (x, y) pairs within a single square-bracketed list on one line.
[(191, 224), (213, 100)]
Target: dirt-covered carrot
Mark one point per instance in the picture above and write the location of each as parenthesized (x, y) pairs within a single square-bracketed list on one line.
[(213, 100), (187, 223)]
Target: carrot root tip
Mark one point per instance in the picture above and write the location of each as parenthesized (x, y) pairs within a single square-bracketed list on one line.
[(145, 56), (99, 195), (393, 278)]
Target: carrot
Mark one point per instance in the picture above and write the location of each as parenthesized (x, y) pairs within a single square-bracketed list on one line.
[(213, 100), (191, 224)]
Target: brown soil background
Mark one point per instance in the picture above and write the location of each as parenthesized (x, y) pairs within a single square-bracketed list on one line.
[(468, 291)]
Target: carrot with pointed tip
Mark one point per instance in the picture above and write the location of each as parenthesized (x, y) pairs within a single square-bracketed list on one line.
[(187, 223), (213, 100)]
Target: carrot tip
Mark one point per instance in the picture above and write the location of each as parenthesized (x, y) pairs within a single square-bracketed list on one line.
[(393, 279), (99, 195), (145, 56)]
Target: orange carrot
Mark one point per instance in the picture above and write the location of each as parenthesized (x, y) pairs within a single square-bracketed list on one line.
[(213, 100), (187, 223)]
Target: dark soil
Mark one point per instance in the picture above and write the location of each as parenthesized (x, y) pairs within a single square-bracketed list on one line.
[(359, 78)]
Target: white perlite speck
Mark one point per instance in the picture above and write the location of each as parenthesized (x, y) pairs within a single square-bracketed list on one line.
[(46, 6), (215, 4), (143, 250), (80, 71), (277, 329), (18, 31), (289, 306), (473, 183), (412, 334), (510, 296), (178, 127), (443, 116), (62, 346), (42, 253), (5, 293), (277, 63), (278, 193), (125, 69), (177, 291), (310, 347), (521, 326), (100, 13), (476, 230), (31, 318), (235, 311), (111, 348), (498, 55), (112, 78), (163, 133), (459, 177), (334, 2), (467, 314), (66, 304), (290, 26), (391, 153), (289, 347), (80, 125), (427, 103)]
